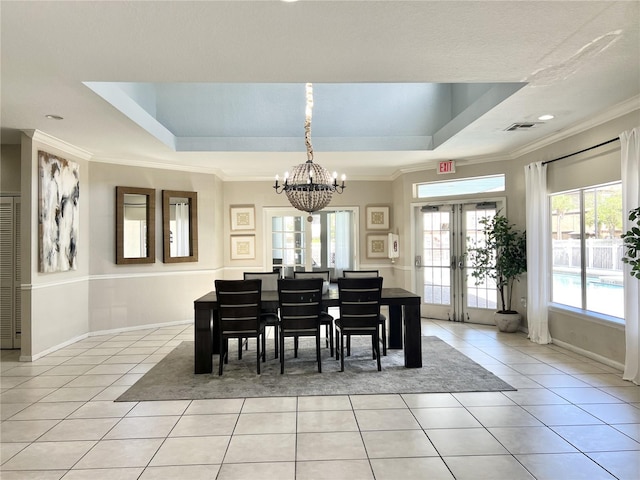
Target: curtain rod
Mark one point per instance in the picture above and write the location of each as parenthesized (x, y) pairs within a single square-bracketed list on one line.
[(581, 151)]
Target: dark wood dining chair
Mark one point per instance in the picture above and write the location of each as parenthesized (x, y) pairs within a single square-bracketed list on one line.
[(269, 315), (239, 316), (300, 310), (325, 318), (359, 301), (383, 318)]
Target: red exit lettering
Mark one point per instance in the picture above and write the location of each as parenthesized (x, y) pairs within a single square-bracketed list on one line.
[(448, 166)]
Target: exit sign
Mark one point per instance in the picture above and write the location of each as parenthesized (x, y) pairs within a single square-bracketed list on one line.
[(448, 166)]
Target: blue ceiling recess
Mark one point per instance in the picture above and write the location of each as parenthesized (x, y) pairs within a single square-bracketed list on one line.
[(269, 117)]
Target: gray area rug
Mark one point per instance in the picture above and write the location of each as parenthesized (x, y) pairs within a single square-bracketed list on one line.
[(444, 370)]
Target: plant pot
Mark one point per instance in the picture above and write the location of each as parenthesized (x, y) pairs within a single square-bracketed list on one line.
[(507, 321)]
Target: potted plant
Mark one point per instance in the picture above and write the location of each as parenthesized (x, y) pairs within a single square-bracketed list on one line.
[(632, 244), (500, 256)]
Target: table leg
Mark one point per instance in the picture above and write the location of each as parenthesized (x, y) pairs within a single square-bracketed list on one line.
[(412, 337), (395, 327), (203, 339)]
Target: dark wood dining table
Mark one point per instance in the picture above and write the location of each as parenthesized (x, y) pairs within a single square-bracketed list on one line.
[(404, 324)]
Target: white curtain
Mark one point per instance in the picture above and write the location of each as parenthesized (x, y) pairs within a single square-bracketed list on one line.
[(630, 151), (537, 206), (343, 242), (181, 240)]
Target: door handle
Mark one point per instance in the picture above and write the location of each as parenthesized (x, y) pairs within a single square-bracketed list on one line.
[(453, 262)]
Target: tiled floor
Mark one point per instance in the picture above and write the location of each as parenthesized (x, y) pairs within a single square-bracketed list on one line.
[(571, 418)]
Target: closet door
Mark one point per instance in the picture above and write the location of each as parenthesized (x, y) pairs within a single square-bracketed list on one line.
[(10, 326)]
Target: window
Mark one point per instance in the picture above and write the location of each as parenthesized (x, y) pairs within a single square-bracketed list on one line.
[(463, 186), (586, 226)]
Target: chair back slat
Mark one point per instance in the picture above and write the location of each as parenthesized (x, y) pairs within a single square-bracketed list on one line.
[(360, 273), (269, 279), (239, 305), (323, 274), (359, 301), (300, 303)]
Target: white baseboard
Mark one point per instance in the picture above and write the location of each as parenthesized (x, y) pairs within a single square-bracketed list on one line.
[(32, 358), (588, 354)]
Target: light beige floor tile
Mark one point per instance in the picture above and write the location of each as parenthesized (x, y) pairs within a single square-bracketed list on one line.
[(120, 453), (491, 467), (273, 404), (504, 416), (272, 422), (401, 443), (8, 410), (191, 451), (524, 440), (483, 399), (79, 429), (111, 369), (535, 396), (25, 430), (263, 471), (456, 417), (596, 438), (69, 369), (142, 427), (8, 450), (10, 382), (623, 465), (47, 411), (388, 419), (327, 421), (561, 415), (583, 396), (33, 474), (47, 381), (48, 456), (626, 394), (86, 360), (146, 409), (26, 370), (613, 413), (25, 395), (191, 472), (425, 400), (334, 470), (93, 381), (574, 466), (330, 446), (214, 406), (135, 359), (329, 402), (104, 474), (205, 425), (465, 441), (110, 393), (629, 429), (102, 409), (73, 394), (261, 448), (377, 402), (410, 469)]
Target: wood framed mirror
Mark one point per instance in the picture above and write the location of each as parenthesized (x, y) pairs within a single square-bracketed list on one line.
[(179, 226), (135, 225)]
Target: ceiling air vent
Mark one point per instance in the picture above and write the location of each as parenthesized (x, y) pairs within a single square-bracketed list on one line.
[(520, 126)]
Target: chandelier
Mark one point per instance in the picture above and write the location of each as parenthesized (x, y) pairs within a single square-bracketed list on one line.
[(310, 186)]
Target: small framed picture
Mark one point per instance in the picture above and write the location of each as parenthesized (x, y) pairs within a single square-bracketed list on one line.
[(378, 217), (243, 247), (377, 246), (243, 217)]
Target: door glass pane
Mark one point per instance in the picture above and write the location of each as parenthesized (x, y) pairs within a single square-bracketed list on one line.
[(287, 240), (436, 255), (483, 294)]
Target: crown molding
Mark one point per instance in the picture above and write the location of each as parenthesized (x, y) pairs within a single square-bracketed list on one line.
[(53, 142)]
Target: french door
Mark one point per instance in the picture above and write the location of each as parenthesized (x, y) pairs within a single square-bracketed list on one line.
[(444, 233)]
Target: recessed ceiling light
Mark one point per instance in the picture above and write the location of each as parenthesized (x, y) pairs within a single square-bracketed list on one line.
[(54, 117), (545, 117)]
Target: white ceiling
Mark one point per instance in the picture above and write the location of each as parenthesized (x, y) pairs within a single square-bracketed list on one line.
[(219, 86)]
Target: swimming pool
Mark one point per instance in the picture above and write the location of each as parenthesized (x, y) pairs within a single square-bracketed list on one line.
[(602, 296)]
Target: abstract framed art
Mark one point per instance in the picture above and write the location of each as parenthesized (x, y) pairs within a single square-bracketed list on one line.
[(58, 213)]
